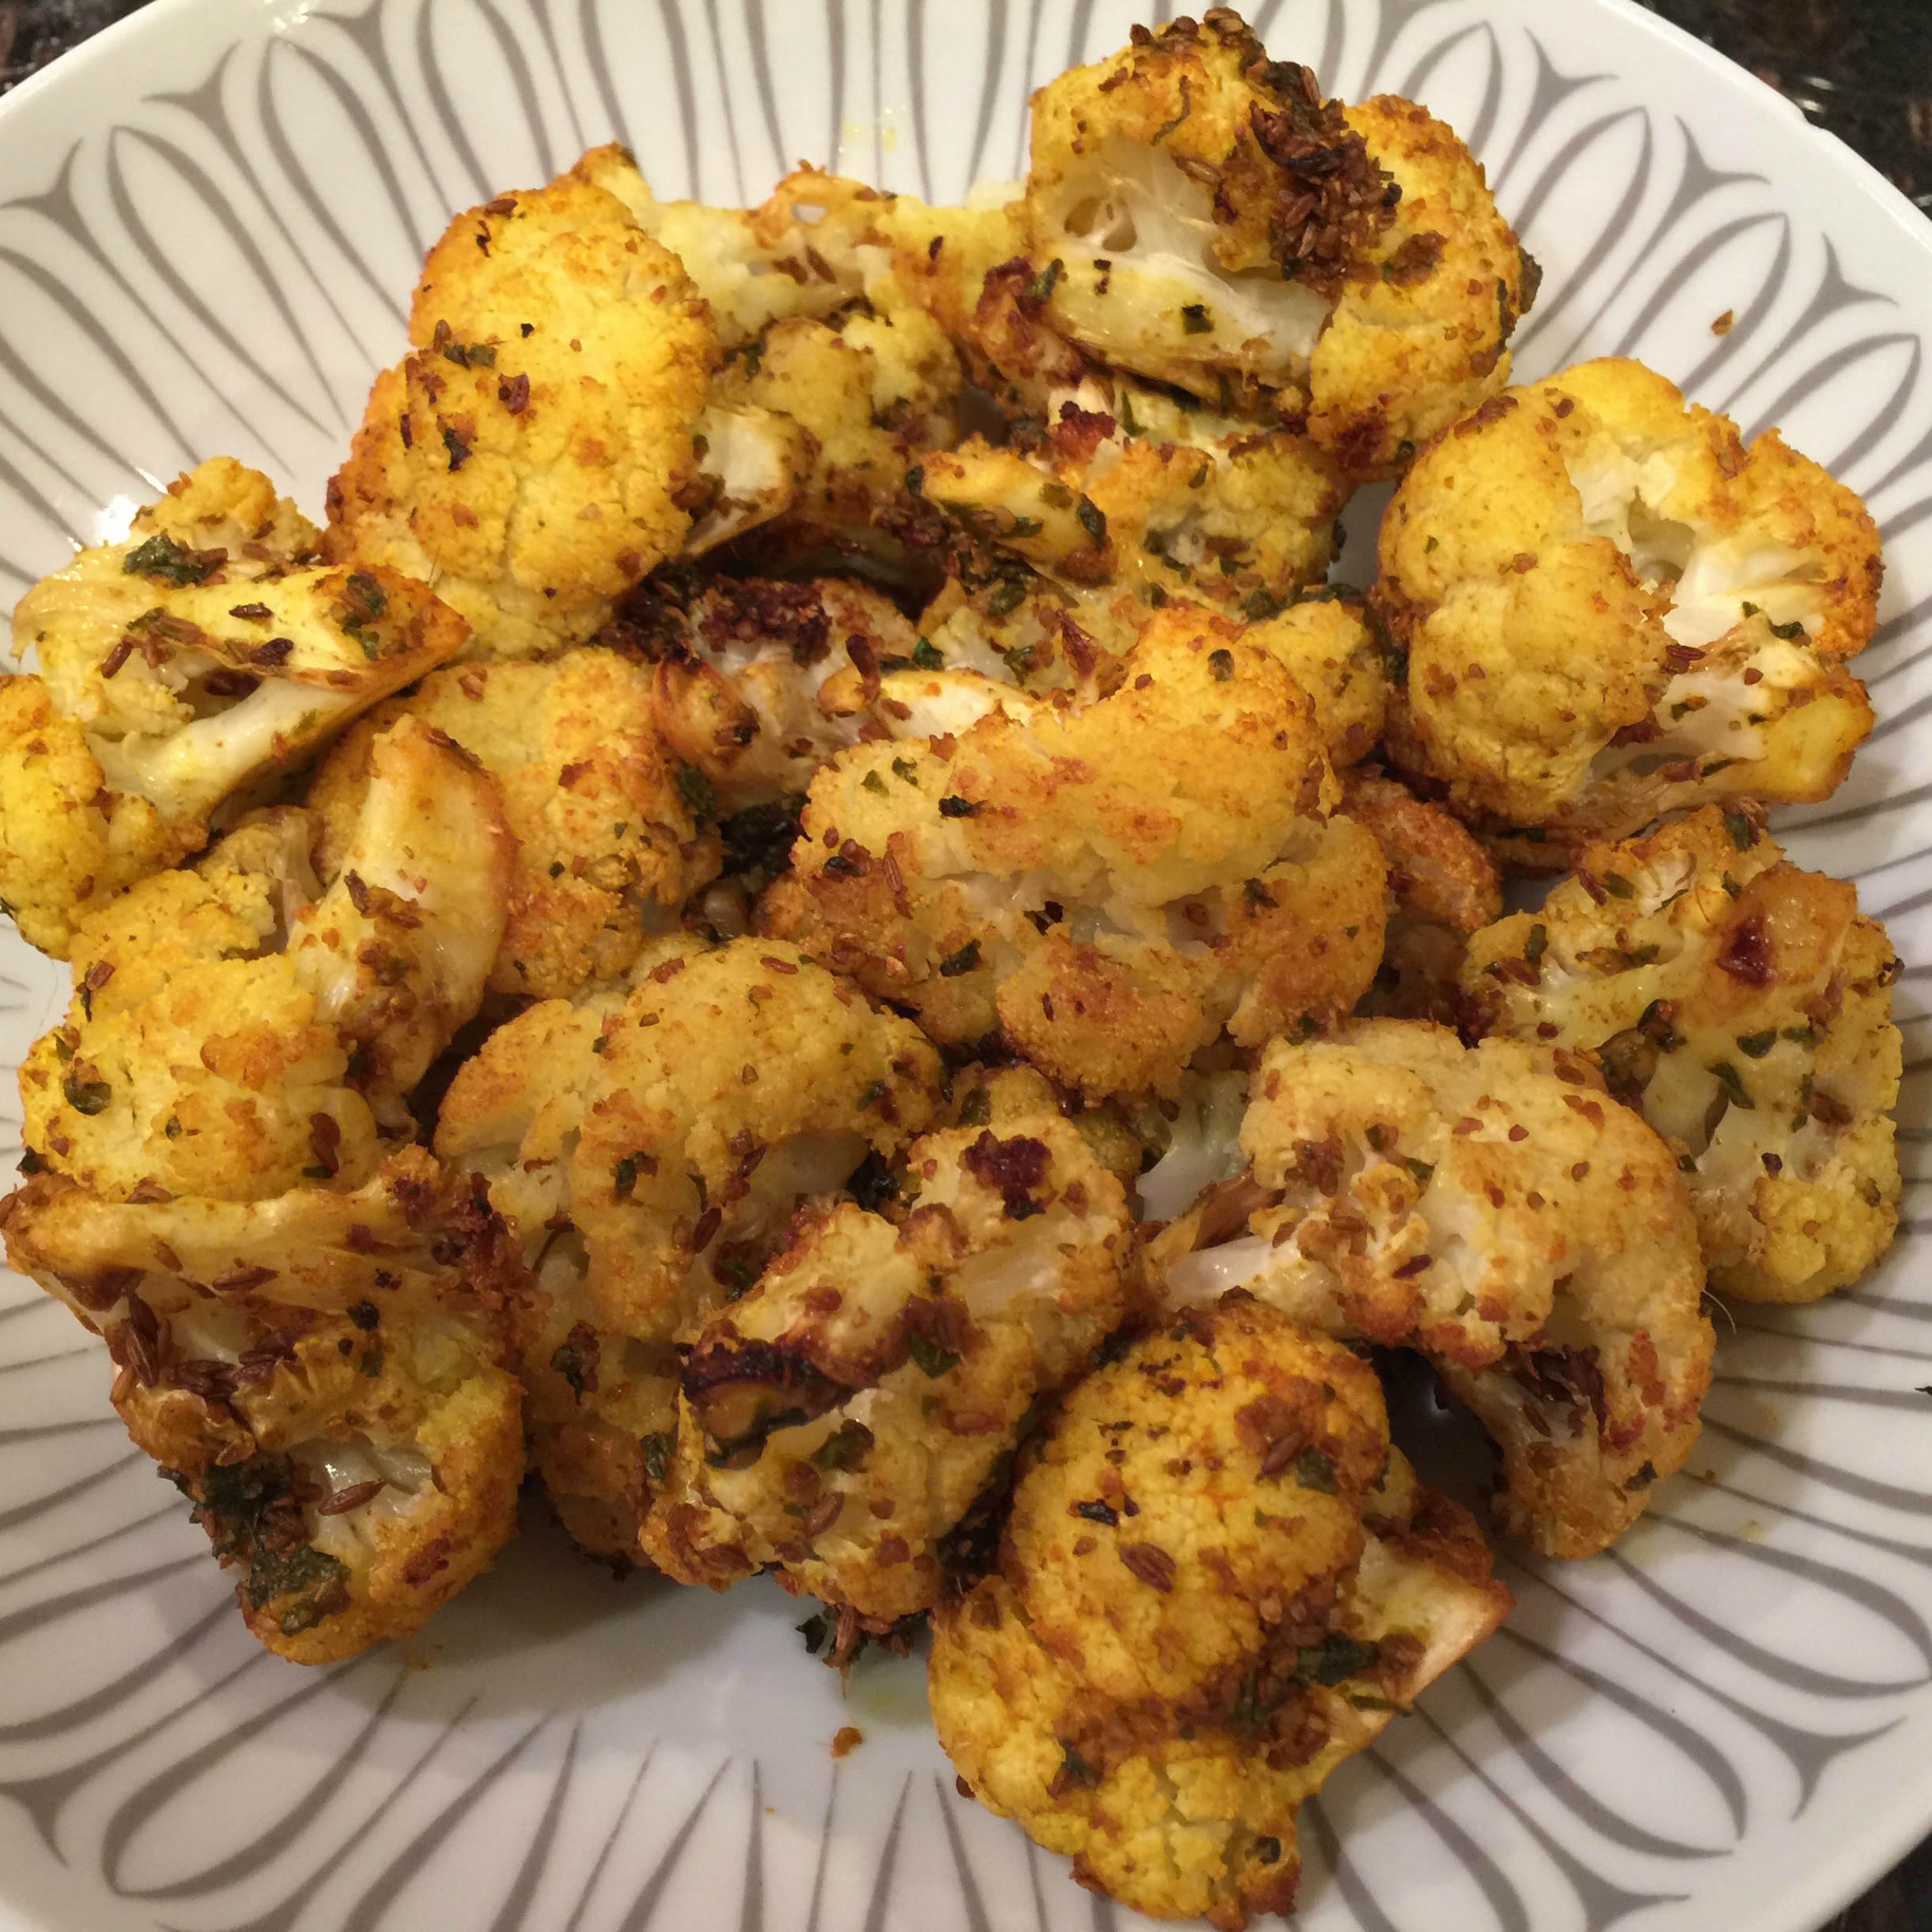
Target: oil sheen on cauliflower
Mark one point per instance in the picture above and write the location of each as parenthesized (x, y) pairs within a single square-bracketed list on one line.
[(1496, 1209), (1199, 214), (650, 1151), (1107, 884), (201, 655), (1613, 608), (1218, 1582), (533, 456), (321, 1372), (839, 1419), (239, 1027), (609, 847), (1744, 1007)]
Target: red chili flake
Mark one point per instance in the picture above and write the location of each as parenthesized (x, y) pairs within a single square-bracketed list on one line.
[(112, 663), (1415, 1265), (276, 650), (240, 1279), (705, 1229), (513, 392), (669, 970), (1747, 954), (325, 1142), (357, 888)]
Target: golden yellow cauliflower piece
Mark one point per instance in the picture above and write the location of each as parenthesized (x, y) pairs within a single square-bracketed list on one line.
[(1199, 214), (649, 1152), (319, 1372), (202, 654), (1206, 1601), (1109, 883), (757, 683), (1494, 1208), (840, 1418), (1744, 1007), (237, 1027), (1613, 608), (1242, 521), (792, 255), (532, 456), (608, 846), (1444, 889)]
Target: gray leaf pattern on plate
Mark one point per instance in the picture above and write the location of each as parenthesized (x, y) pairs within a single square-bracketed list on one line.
[(223, 269)]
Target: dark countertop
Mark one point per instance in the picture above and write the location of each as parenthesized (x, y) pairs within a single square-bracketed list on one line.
[(1862, 68)]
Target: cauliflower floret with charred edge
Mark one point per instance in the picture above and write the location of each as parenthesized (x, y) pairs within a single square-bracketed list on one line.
[(1744, 1007), (1106, 884), (201, 655), (608, 846), (533, 456), (1206, 1601), (755, 682), (321, 1372), (1445, 889), (1203, 217), (1612, 607), (1496, 1209), (650, 1152), (840, 1419), (1244, 522), (237, 1027)]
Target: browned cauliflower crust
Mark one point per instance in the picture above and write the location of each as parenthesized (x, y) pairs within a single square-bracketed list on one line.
[(237, 1027), (757, 683), (1613, 608), (1744, 1007), (1201, 216), (202, 654), (319, 1372), (650, 1152), (840, 1419), (1243, 521), (1494, 1208), (1206, 1601), (532, 456), (608, 847), (1109, 883), (1443, 888)]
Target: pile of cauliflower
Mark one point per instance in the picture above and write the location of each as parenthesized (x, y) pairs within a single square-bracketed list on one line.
[(806, 917)]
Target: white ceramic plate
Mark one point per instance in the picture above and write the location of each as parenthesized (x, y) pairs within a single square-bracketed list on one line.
[(210, 219)]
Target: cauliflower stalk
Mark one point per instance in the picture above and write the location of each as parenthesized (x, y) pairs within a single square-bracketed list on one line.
[(1217, 1584), (319, 1371), (1744, 1007), (1108, 885), (1613, 608), (201, 656), (1494, 1209)]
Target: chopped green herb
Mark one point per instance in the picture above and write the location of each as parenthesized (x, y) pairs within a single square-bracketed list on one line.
[(1313, 1470), (700, 796), (932, 1358), (927, 656), (1195, 320), (1756, 1045), (963, 961), (1334, 1660), (1743, 833), (169, 563)]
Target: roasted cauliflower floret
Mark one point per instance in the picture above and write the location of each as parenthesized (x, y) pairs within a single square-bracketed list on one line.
[(1243, 521), (792, 255), (757, 683), (1613, 608), (1743, 1006), (1206, 1601), (202, 653), (237, 1027), (1107, 884), (321, 1372), (1494, 1208), (650, 1153), (1201, 216), (839, 1421), (533, 455), (1444, 889), (608, 846)]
